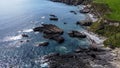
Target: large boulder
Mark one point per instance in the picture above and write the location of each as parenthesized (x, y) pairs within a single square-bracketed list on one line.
[(49, 29)]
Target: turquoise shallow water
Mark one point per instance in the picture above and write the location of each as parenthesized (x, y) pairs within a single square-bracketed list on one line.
[(20, 16)]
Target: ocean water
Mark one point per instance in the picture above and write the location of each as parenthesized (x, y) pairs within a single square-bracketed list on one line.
[(20, 17)]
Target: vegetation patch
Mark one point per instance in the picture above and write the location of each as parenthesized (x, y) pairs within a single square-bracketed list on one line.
[(108, 10)]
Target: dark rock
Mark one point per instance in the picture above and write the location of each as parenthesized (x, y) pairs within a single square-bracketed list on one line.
[(25, 35), (73, 12), (51, 32), (65, 23), (93, 55), (49, 29), (27, 40), (78, 23), (21, 41), (44, 44), (54, 18), (77, 34), (55, 37), (84, 23)]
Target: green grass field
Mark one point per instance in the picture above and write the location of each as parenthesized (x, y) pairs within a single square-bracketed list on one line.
[(114, 5)]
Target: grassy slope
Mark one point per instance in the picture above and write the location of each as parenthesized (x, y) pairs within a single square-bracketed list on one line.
[(112, 32), (114, 6)]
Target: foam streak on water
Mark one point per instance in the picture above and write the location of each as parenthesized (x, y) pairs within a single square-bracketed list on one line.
[(12, 38)]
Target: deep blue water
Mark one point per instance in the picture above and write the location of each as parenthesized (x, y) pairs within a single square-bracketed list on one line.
[(20, 16)]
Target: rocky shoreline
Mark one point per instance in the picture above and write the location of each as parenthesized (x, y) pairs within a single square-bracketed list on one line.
[(70, 2), (95, 56)]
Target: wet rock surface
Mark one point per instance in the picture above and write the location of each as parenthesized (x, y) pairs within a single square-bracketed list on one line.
[(76, 34), (51, 31), (83, 58), (48, 29)]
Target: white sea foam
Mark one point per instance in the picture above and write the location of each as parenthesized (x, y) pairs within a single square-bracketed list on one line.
[(44, 62), (92, 18), (28, 30), (43, 17), (12, 38), (44, 65), (25, 31), (94, 37)]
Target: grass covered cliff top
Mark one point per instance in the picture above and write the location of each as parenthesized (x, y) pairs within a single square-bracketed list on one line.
[(114, 5), (112, 32)]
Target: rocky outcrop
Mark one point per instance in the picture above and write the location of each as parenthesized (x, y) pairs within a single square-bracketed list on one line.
[(76, 34), (70, 2), (85, 58), (48, 29), (51, 31)]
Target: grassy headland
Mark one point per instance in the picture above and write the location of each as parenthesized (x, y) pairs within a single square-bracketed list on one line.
[(109, 25)]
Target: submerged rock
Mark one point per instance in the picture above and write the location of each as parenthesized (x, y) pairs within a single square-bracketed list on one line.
[(73, 12), (52, 15), (77, 34)]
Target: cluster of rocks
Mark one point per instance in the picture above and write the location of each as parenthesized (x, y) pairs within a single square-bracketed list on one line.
[(51, 31), (84, 58), (70, 2)]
